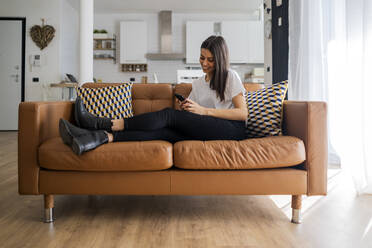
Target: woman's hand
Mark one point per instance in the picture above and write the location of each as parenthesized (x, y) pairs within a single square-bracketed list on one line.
[(193, 107), (180, 103)]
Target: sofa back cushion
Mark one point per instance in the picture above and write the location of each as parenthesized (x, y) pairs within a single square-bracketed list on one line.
[(151, 97), (145, 97)]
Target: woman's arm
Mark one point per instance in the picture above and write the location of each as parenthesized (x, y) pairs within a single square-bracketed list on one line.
[(238, 113)]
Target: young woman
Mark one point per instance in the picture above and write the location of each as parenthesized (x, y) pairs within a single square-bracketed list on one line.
[(215, 110)]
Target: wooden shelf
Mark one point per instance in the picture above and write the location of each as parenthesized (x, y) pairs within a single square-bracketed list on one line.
[(104, 39), (108, 49), (103, 58)]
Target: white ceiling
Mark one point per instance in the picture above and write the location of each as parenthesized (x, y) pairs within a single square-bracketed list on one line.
[(177, 6)]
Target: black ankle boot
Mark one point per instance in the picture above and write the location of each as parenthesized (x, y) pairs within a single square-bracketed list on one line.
[(67, 131), (84, 119), (90, 141), (81, 140)]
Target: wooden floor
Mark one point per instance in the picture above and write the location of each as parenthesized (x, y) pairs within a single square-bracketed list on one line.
[(339, 220)]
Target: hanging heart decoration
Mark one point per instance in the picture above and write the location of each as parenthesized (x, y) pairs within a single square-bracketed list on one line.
[(42, 35)]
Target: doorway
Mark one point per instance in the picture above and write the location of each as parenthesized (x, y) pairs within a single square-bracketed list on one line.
[(12, 70), (280, 45)]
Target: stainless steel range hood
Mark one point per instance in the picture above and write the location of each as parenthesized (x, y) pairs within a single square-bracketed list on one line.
[(165, 39)]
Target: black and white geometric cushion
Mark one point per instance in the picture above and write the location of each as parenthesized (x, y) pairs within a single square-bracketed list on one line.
[(113, 101), (265, 108)]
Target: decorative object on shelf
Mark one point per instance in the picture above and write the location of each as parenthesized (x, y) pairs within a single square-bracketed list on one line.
[(100, 34), (42, 35), (98, 44), (134, 67), (102, 56), (268, 29)]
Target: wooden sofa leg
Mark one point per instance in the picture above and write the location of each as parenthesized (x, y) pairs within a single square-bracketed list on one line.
[(296, 208), (48, 208)]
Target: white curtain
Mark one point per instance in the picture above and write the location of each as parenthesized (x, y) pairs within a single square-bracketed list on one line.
[(309, 34), (330, 57)]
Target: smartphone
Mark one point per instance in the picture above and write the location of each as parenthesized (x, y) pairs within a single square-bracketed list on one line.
[(179, 97)]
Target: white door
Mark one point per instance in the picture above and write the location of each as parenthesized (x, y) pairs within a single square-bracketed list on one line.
[(10, 73)]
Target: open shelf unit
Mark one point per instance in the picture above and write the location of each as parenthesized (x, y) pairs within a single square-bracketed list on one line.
[(105, 44), (134, 67)]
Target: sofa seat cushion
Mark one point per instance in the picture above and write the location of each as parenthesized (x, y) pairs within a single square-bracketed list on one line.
[(258, 153), (118, 156)]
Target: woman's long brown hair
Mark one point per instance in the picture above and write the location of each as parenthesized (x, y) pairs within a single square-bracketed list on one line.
[(217, 46)]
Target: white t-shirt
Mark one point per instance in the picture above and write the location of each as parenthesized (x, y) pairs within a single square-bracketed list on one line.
[(202, 94)]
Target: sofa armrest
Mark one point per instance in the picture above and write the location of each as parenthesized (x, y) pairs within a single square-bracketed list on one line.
[(37, 122), (308, 121)]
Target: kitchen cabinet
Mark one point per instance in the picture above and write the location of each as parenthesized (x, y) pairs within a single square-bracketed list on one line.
[(245, 39), (256, 42), (133, 42), (236, 35), (196, 33)]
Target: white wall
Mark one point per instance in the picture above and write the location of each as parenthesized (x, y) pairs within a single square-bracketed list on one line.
[(55, 13), (165, 70), (69, 48)]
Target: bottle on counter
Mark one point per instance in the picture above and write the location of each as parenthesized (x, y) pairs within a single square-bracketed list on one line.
[(144, 80), (155, 78)]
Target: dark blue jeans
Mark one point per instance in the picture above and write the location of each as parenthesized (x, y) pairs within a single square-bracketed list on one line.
[(176, 125)]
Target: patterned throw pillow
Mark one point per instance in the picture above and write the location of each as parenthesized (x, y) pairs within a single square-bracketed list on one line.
[(265, 110), (113, 101)]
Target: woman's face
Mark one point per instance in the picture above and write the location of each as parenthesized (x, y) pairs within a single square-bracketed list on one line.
[(206, 61)]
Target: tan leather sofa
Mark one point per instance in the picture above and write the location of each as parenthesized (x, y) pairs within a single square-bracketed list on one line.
[(294, 164)]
